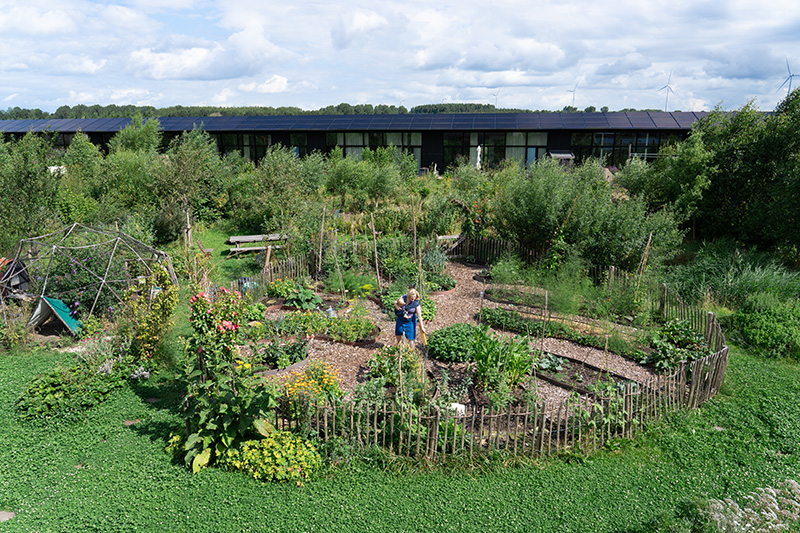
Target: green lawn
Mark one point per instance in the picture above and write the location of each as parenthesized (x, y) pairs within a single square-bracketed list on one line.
[(102, 475)]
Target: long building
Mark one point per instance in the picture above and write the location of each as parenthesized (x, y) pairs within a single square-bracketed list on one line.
[(436, 140)]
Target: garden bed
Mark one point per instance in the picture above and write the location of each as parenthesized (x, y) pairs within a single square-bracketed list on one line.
[(461, 305), (579, 376)]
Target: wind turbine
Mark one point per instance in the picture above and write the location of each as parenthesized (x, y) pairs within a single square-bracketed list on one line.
[(668, 87), (573, 94), (495, 96), (787, 80)]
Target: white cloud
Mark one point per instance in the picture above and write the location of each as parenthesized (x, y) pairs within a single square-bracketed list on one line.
[(354, 25), (414, 52), (276, 84), (82, 64), (224, 97), (184, 63), (37, 19), (625, 65)]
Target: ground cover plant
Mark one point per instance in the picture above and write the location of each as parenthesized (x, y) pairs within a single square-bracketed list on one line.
[(724, 449)]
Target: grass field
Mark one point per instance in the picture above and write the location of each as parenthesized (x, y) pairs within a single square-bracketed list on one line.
[(99, 474)]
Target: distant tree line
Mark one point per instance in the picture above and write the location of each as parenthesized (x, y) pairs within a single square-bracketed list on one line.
[(127, 111)]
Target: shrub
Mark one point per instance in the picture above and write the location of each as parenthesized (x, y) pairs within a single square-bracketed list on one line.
[(676, 342), (402, 269), (280, 456), (354, 283), (508, 270), (766, 509), (438, 282), (770, 325), (278, 354), (434, 261), (151, 305), (452, 344), (254, 312)]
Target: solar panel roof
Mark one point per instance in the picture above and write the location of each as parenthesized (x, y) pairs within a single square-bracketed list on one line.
[(406, 122)]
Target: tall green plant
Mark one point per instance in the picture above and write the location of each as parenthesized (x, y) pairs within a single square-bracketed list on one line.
[(225, 403)]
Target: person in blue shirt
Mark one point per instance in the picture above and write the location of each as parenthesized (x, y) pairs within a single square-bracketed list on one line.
[(408, 313)]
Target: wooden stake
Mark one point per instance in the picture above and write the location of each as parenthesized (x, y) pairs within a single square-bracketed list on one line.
[(321, 230)]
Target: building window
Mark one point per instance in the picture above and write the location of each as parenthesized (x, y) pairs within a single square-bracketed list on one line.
[(353, 144)]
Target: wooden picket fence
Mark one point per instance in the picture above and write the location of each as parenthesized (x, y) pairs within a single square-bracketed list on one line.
[(577, 424), (483, 250), (291, 267), (580, 423)]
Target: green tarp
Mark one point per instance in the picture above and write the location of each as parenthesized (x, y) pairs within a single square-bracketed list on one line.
[(49, 306)]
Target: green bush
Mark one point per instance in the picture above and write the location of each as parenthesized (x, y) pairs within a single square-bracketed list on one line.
[(278, 354), (281, 288), (281, 456), (452, 344), (434, 261), (770, 325), (254, 312), (438, 282)]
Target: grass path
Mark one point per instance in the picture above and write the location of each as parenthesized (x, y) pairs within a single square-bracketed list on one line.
[(98, 474)]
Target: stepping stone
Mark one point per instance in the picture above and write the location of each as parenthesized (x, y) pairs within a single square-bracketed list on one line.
[(5, 516)]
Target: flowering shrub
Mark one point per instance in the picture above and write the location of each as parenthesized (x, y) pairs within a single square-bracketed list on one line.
[(766, 509), (317, 384), (281, 456), (225, 403)]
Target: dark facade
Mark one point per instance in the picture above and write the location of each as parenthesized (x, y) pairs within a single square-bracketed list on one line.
[(437, 140)]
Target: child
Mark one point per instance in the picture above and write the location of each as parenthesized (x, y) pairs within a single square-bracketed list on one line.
[(407, 310)]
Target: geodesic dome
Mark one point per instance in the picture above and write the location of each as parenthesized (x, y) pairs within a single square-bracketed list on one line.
[(88, 269)]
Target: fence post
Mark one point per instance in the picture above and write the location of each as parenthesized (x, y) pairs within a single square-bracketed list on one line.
[(663, 303)]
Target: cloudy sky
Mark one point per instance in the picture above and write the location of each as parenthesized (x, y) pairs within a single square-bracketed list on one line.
[(536, 54)]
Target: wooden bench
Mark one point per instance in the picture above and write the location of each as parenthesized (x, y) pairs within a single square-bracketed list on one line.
[(238, 240)]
